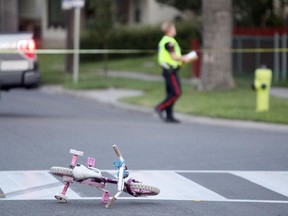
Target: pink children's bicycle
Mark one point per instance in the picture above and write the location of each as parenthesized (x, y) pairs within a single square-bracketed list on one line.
[(92, 176)]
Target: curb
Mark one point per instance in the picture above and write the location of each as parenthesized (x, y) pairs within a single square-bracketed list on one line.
[(109, 97)]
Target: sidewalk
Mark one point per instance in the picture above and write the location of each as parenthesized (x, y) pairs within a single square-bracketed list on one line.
[(275, 91), (111, 96), (139, 76), (279, 92)]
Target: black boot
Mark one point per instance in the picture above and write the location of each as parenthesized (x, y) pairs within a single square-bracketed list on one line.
[(170, 118), (160, 113)]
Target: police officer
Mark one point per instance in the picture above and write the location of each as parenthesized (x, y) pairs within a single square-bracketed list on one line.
[(170, 59)]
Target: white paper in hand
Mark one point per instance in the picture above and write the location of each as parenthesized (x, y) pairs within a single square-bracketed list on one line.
[(192, 55)]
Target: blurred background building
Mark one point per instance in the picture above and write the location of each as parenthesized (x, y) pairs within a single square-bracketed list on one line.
[(47, 20)]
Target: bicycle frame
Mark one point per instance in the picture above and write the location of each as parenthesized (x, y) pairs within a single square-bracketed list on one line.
[(93, 177), (98, 182)]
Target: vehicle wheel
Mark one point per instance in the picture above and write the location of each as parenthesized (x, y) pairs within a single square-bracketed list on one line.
[(139, 189), (61, 171)]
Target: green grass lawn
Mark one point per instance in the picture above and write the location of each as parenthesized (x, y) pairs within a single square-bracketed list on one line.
[(238, 103)]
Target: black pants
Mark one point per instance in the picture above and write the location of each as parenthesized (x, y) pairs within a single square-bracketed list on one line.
[(173, 91)]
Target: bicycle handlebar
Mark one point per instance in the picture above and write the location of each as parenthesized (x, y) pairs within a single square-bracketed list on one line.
[(117, 151), (120, 180), (110, 202)]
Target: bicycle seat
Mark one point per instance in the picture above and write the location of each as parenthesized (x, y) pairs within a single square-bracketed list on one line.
[(81, 172)]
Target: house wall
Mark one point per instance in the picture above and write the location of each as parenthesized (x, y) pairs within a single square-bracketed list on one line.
[(51, 37), (9, 21), (151, 12), (157, 13), (30, 17), (30, 9)]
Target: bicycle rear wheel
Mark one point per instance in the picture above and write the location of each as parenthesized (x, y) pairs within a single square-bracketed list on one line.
[(139, 189), (61, 171)]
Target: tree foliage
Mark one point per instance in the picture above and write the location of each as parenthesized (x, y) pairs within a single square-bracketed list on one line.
[(245, 12), (100, 22), (100, 16), (257, 13)]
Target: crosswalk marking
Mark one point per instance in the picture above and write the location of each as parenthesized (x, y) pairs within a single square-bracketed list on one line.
[(275, 181), (181, 188), (40, 185), (31, 185)]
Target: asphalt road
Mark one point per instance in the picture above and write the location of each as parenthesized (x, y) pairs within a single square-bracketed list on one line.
[(38, 129)]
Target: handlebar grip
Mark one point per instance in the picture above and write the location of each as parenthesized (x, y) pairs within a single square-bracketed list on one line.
[(117, 151), (110, 202)]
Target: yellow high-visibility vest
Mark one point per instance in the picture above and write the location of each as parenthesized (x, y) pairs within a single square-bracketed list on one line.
[(164, 57)]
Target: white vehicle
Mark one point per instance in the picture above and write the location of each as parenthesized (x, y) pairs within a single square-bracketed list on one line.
[(18, 62)]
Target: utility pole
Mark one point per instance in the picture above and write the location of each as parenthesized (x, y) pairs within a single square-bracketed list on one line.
[(76, 5), (69, 40), (77, 14)]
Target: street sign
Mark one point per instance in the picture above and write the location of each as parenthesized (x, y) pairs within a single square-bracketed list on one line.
[(69, 4)]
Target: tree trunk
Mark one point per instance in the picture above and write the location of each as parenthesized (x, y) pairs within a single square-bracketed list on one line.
[(217, 60), (105, 57)]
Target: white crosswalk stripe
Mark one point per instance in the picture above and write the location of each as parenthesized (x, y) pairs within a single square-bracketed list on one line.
[(40, 185), (275, 181), (31, 185), (176, 187)]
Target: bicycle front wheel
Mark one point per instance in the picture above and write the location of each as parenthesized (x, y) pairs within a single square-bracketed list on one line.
[(139, 189)]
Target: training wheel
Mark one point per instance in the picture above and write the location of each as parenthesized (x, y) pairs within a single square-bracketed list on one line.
[(61, 198)]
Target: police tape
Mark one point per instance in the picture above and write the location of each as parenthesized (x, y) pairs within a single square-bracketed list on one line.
[(94, 51), (81, 51), (245, 50), (142, 51)]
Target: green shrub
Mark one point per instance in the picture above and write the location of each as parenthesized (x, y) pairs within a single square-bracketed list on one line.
[(143, 38)]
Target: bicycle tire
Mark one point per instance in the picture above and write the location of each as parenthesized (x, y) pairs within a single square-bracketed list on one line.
[(61, 171), (140, 189)]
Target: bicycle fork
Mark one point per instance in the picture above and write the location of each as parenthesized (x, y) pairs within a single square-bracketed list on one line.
[(121, 166)]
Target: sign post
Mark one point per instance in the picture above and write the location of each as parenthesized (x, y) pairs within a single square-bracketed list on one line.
[(76, 5)]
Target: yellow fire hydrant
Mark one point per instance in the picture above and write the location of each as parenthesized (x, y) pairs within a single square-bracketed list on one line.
[(262, 84)]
